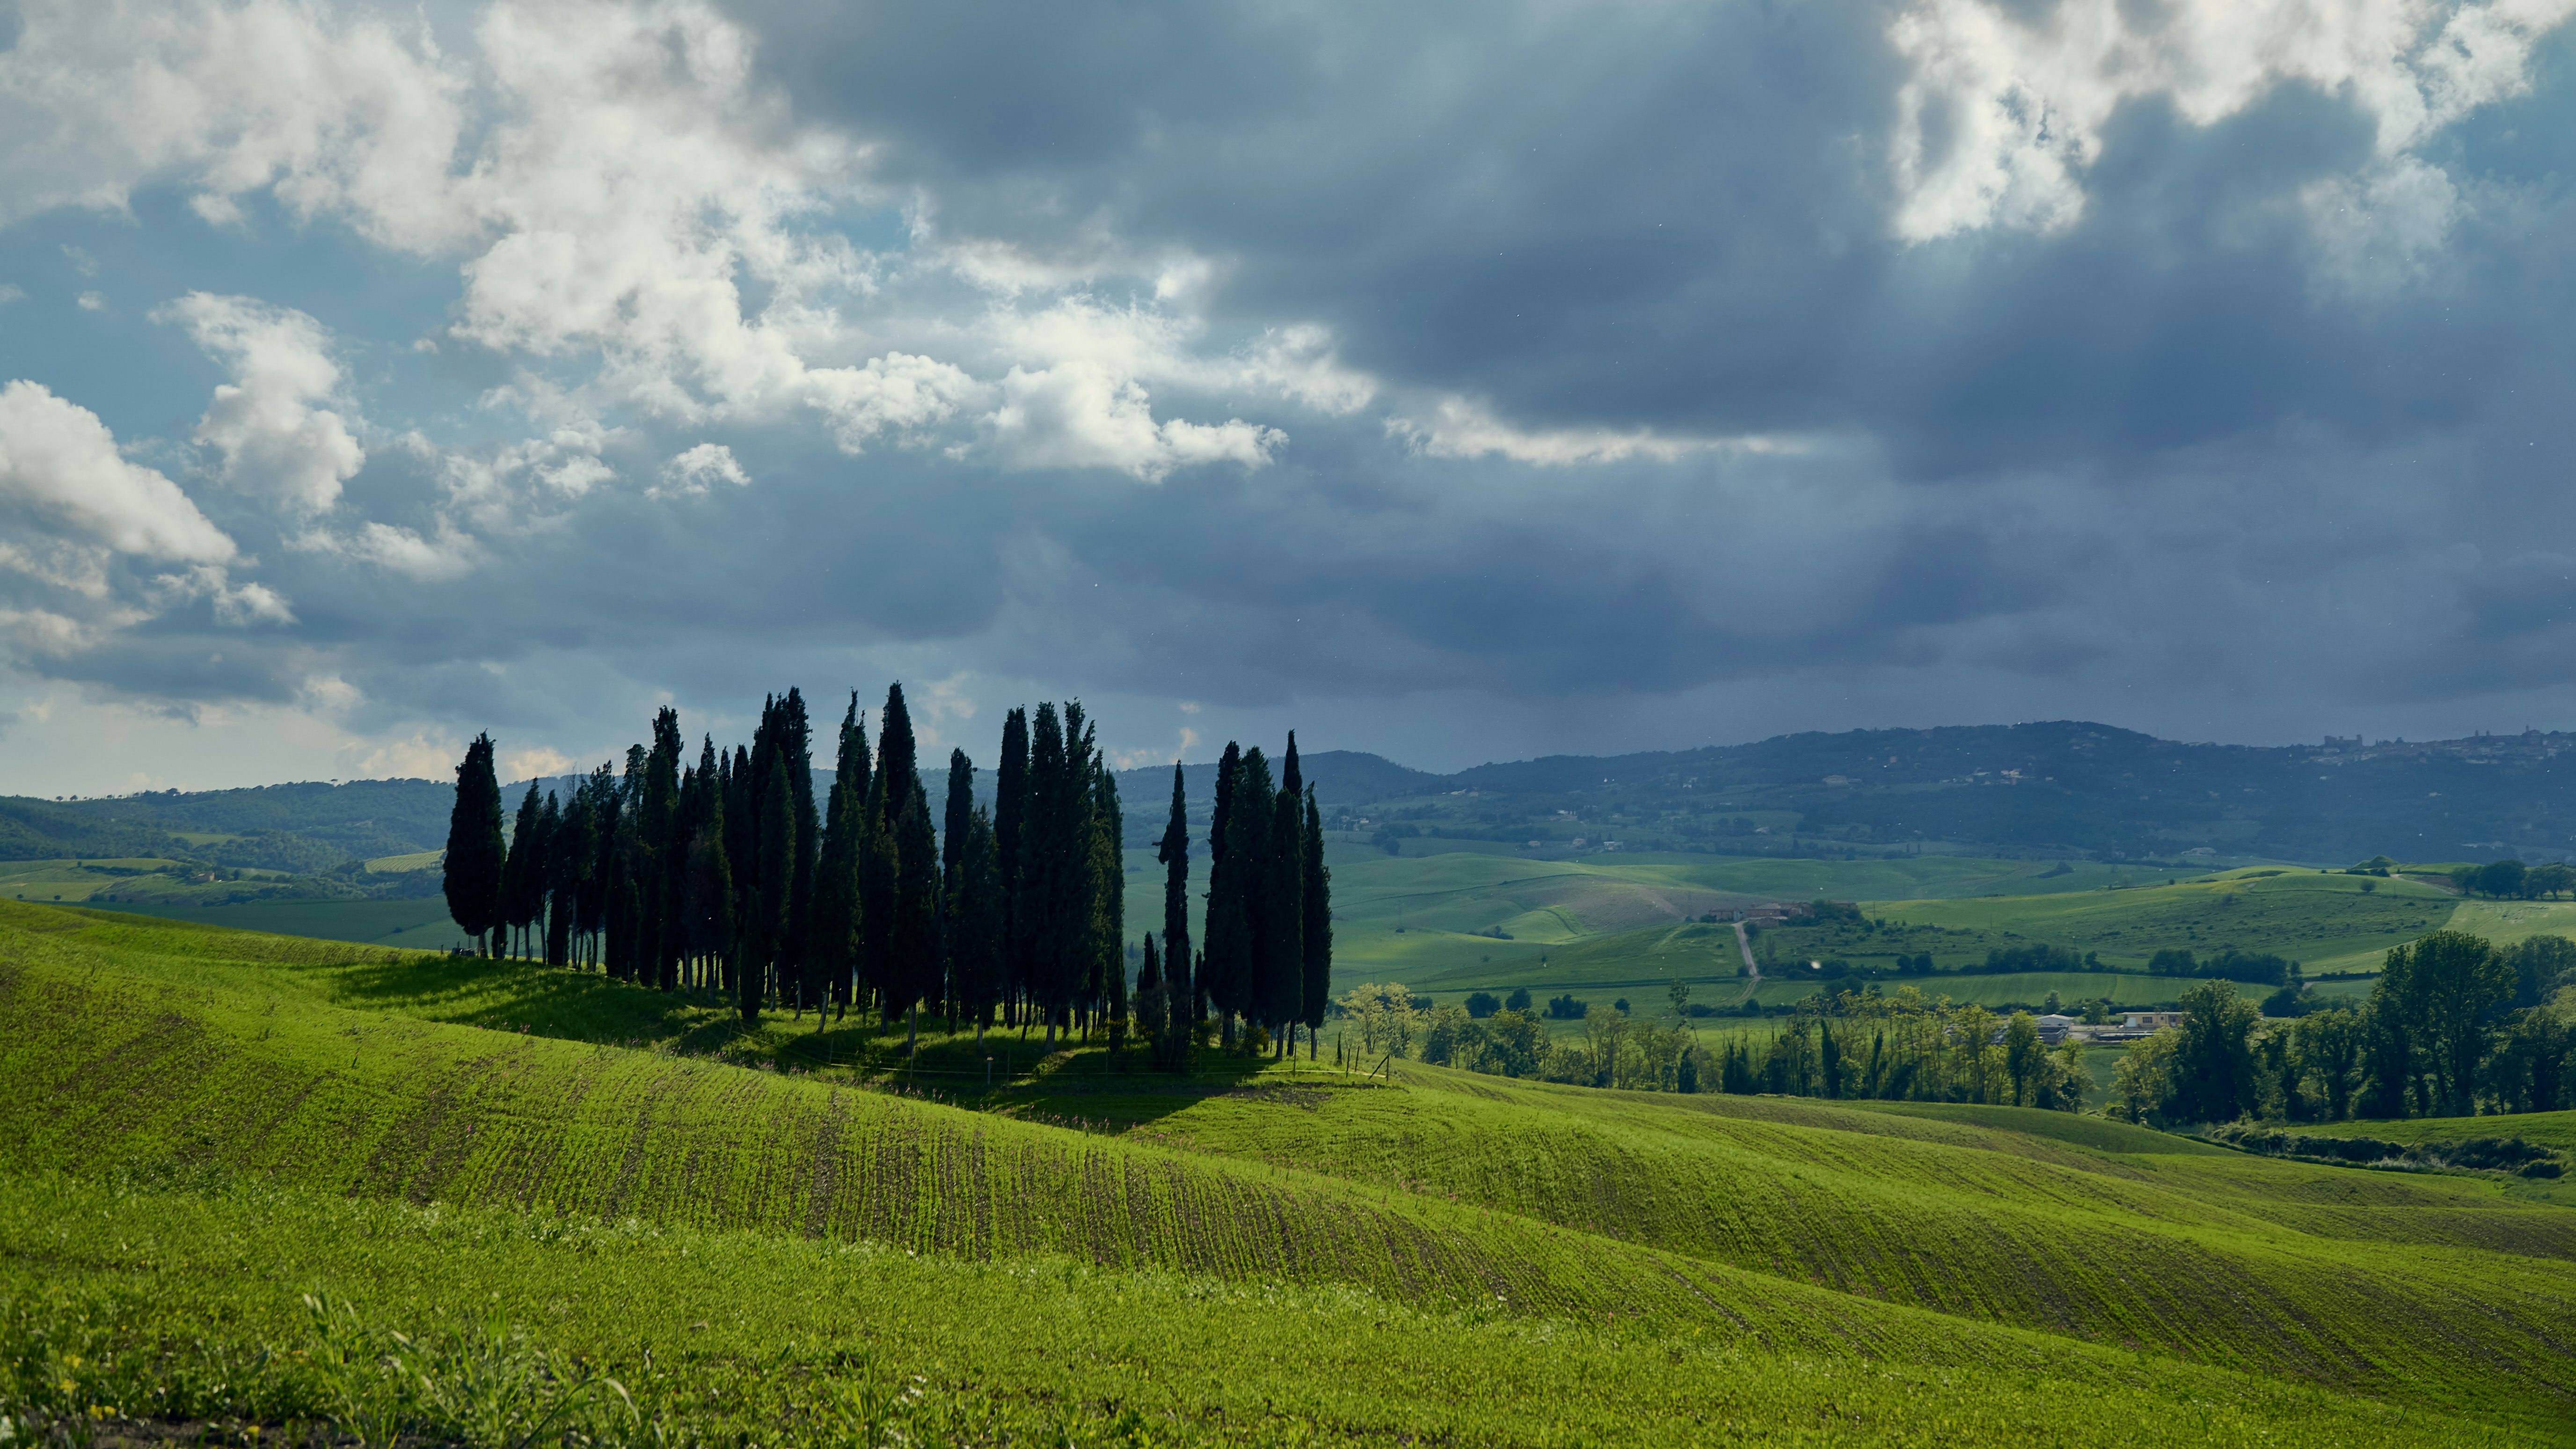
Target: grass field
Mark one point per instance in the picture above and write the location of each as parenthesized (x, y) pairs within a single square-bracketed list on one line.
[(747, 1228)]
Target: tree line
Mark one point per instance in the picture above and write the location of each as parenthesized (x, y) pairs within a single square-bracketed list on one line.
[(1855, 1045), (725, 876), (2455, 1025)]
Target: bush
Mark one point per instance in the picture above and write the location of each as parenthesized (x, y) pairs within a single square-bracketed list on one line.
[(1568, 1007), (1482, 1004), (1519, 1000)]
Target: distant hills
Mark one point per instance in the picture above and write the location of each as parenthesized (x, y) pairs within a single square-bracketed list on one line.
[(2060, 788)]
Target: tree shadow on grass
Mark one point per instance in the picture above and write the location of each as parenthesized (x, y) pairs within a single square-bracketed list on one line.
[(511, 995), (1072, 1082)]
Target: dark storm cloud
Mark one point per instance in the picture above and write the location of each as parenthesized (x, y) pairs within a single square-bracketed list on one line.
[(2216, 456)]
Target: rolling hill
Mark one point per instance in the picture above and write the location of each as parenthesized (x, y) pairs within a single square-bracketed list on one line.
[(543, 1180)]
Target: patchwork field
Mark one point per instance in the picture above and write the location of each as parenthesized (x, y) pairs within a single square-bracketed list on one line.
[(1450, 925), (765, 1226)]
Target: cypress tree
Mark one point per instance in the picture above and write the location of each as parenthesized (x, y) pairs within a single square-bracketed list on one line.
[(1224, 950), (1109, 898), (1243, 948), (605, 812), (1010, 813), (706, 907), (660, 855), (1076, 954), (795, 745), (762, 933), (832, 946), (741, 837), (1045, 857), (625, 906), (1174, 852), (961, 801), (1283, 915), (574, 847), (541, 882), (975, 921), (521, 870), (475, 855), (1316, 940), (895, 754), (917, 958), (952, 859)]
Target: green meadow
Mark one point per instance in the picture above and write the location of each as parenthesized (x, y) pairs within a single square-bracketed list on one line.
[(258, 1180)]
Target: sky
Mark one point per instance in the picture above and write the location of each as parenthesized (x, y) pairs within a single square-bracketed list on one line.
[(1458, 382)]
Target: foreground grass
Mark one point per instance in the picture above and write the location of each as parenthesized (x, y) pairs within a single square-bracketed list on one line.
[(127, 1303)]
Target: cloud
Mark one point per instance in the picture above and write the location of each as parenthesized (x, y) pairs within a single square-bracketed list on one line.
[(690, 472), (274, 441), (59, 466), (1463, 429), (2004, 108)]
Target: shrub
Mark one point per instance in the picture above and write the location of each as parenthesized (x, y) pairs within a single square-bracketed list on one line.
[(1568, 1007), (1482, 1004)]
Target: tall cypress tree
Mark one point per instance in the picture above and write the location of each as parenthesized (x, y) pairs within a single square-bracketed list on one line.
[(975, 921), (1010, 815), (475, 855), (574, 847), (606, 809), (661, 855), (795, 743), (520, 871), (541, 883), (833, 942), (710, 902), (767, 926), (1045, 851), (1174, 852), (915, 948), (1283, 914), (1108, 898), (1316, 940), (1224, 949), (896, 756), (952, 864), (1241, 947)]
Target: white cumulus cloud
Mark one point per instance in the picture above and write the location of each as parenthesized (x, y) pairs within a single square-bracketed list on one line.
[(274, 439), (59, 466), (707, 463), (2003, 107)]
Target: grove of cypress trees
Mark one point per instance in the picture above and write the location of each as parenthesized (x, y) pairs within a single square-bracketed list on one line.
[(475, 855)]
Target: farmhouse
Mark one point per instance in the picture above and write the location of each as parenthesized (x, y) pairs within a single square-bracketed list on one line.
[(2151, 1020)]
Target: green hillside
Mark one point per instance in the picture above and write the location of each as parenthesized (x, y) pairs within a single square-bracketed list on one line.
[(201, 1125)]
